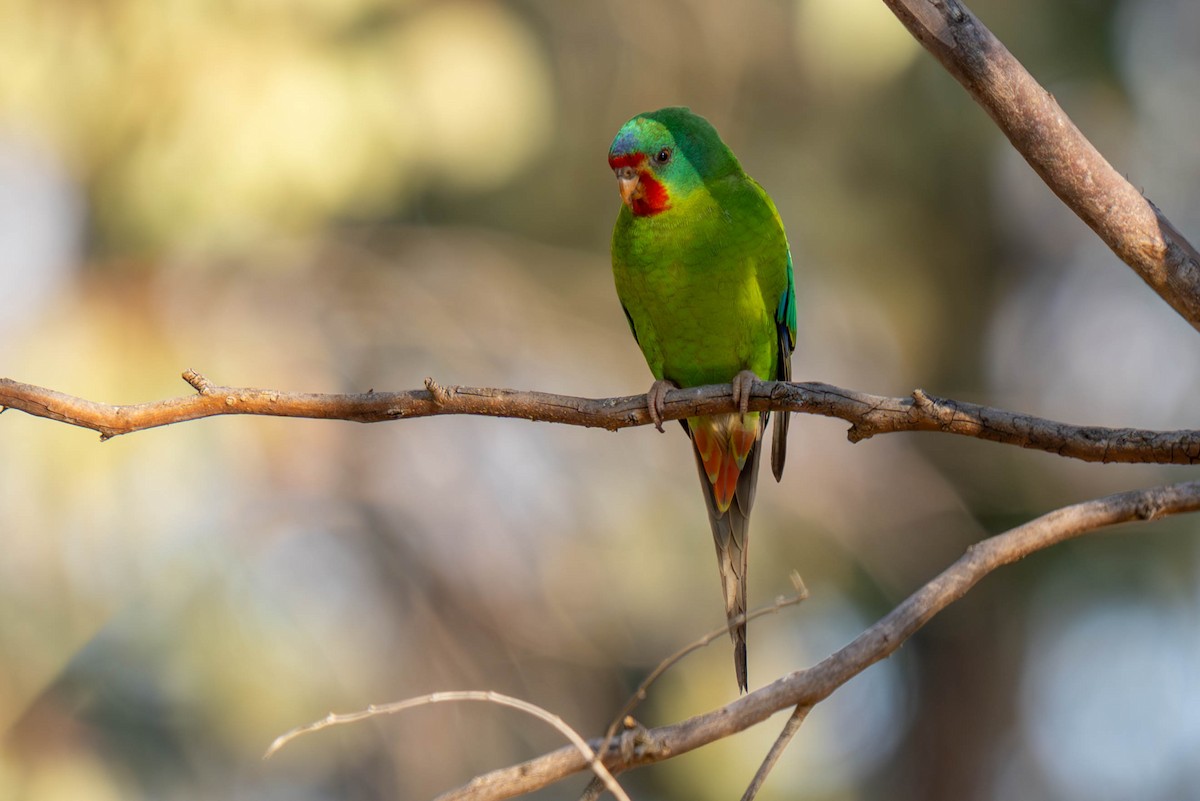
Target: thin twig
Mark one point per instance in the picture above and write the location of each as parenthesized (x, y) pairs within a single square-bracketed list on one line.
[(867, 414), (640, 693), (812, 685), (781, 742), (332, 719), (624, 719)]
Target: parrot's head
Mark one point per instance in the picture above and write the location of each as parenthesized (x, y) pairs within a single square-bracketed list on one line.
[(663, 156)]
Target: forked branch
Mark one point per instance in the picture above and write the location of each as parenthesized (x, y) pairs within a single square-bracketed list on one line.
[(805, 688)]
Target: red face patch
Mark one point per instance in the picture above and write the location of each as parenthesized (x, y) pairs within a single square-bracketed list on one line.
[(652, 197)]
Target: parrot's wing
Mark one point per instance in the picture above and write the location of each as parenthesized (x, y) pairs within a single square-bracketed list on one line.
[(785, 325), (629, 319)]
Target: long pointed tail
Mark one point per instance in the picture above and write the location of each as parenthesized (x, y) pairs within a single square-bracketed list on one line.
[(727, 452)]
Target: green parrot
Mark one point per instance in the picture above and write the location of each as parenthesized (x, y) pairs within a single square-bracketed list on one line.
[(704, 274)]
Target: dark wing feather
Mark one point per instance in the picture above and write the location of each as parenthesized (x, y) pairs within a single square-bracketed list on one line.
[(785, 325)]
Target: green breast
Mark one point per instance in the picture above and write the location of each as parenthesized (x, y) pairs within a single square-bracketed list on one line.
[(701, 282)]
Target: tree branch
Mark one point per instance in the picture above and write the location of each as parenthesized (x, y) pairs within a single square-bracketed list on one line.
[(867, 414), (1064, 158), (805, 688)]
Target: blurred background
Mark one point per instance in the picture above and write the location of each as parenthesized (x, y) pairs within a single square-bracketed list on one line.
[(335, 195)]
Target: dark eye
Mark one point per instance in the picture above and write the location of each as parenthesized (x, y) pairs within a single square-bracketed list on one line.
[(662, 156)]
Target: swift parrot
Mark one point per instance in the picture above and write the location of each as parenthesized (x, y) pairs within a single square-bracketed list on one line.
[(704, 274)]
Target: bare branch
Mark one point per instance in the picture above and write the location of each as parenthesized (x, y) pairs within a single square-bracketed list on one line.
[(867, 414), (1064, 158), (810, 686), (333, 719)]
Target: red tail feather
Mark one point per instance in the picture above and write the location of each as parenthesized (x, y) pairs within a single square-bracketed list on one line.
[(723, 443), (710, 451)]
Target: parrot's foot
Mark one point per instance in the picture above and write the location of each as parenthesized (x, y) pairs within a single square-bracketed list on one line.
[(743, 386), (656, 399)]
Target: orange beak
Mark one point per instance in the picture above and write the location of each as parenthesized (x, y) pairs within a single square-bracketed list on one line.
[(629, 184)]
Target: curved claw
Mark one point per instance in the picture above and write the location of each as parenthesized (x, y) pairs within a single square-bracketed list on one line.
[(743, 387), (656, 400)]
